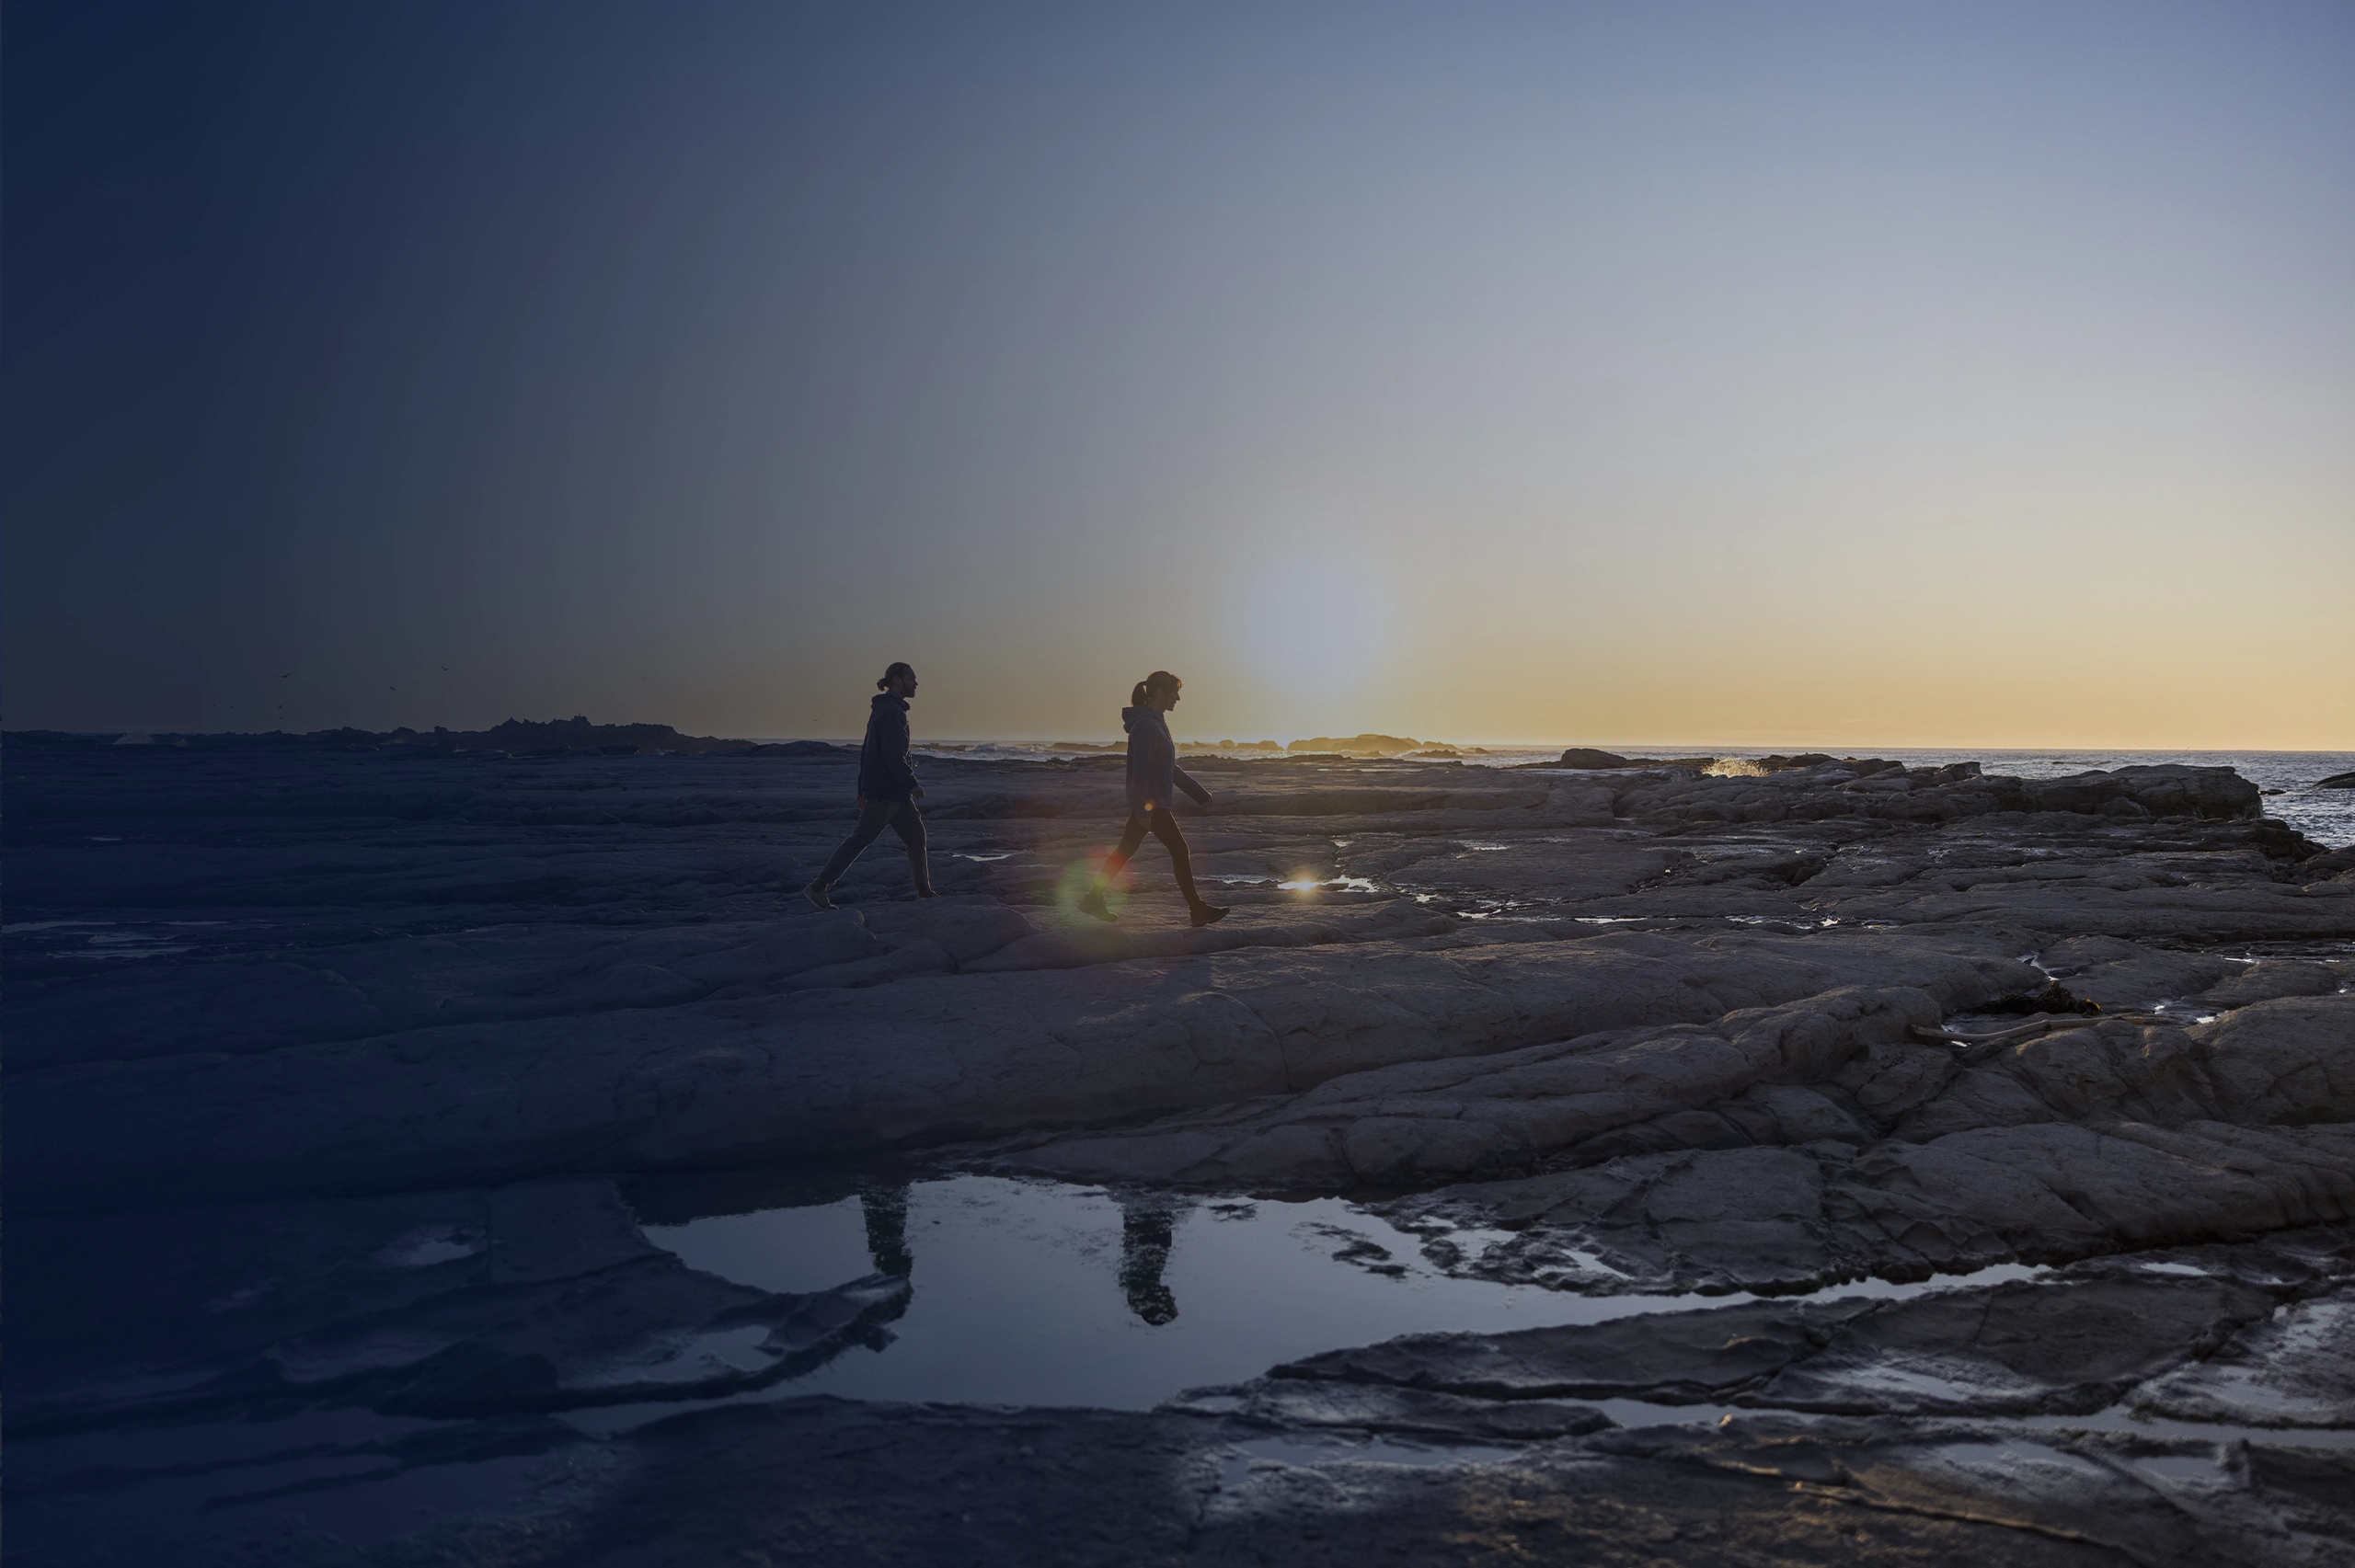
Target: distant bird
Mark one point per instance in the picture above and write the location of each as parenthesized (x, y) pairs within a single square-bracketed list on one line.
[(283, 677)]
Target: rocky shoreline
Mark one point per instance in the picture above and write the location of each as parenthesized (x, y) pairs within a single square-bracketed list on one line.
[(279, 1013)]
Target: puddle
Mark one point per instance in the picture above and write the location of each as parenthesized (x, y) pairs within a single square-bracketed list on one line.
[(1040, 1293), (1022, 1293)]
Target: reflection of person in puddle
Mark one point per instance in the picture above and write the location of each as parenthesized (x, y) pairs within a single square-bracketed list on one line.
[(885, 1207), (1147, 1226)]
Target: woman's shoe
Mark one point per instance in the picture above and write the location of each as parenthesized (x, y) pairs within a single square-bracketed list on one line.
[(816, 894), (1210, 914), (1092, 903)]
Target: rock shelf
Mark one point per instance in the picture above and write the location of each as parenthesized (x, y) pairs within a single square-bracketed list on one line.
[(408, 1015)]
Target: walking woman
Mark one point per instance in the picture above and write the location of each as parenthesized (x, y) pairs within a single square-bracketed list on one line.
[(888, 791), (1155, 779)]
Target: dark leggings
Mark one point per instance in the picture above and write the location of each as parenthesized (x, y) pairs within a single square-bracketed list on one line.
[(1162, 826), (873, 816)]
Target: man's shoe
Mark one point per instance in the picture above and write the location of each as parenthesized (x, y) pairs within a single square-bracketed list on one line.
[(816, 894), (1209, 914), (1092, 903)]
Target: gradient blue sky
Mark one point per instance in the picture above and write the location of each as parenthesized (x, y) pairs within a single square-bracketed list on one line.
[(1846, 374)]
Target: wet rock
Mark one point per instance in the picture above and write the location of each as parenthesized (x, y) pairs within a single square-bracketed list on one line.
[(1893, 1079), (2055, 998), (1646, 1030), (649, 1331), (2336, 864), (2269, 979), (2295, 1368), (2154, 1501), (2057, 1190), (541, 1295), (1597, 1099), (1293, 1403), (1791, 1113), (840, 1069), (2067, 1346), (2289, 1060), (1671, 1358), (2168, 790), (829, 1481), (2336, 781), (2119, 975), (1784, 1218), (1411, 1123)]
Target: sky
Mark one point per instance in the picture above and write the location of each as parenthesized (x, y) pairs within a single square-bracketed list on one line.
[(1845, 375)]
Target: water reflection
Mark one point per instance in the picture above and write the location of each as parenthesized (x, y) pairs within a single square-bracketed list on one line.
[(1042, 1293), (804, 1239), (884, 1206), (1148, 1223)]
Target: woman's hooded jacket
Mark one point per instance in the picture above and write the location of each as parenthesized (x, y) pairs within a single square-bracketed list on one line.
[(885, 771), (1154, 777)]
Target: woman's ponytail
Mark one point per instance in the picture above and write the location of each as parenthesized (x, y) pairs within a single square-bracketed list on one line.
[(1159, 680)]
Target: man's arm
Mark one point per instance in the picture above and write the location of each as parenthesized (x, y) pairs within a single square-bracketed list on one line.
[(903, 760)]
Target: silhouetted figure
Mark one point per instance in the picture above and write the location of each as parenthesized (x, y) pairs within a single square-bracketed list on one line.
[(1146, 1229), (888, 791), (884, 1205), (1153, 781)]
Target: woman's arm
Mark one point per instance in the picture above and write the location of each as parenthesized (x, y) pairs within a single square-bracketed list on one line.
[(1186, 781)]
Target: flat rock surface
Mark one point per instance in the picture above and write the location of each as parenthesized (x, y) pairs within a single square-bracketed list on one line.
[(323, 1066), (265, 969)]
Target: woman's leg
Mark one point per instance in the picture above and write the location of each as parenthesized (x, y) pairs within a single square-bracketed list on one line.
[(1181, 861), (1131, 839), (1164, 827), (908, 822), (872, 815)]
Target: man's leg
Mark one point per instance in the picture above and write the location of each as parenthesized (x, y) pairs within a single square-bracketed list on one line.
[(872, 815), (908, 822)]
